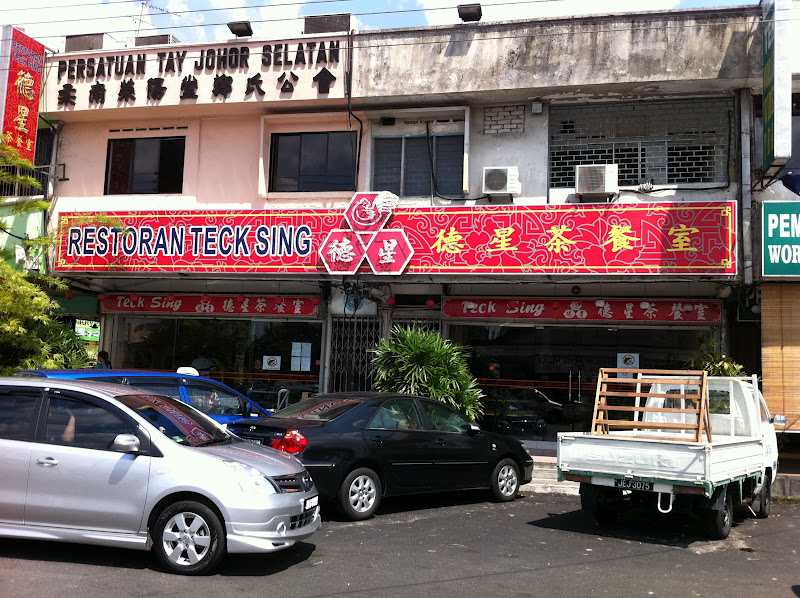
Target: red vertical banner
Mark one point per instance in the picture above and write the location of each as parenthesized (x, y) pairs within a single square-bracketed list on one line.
[(24, 86)]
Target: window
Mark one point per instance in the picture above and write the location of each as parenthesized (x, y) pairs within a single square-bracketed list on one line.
[(71, 422), (212, 399), (396, 414), (16, 414), (313, 161), (668, 142), (145, 165), (443, 418), (402, 165)]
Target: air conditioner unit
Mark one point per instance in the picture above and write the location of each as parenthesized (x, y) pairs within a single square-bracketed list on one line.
[(596, 180), (501, 180)]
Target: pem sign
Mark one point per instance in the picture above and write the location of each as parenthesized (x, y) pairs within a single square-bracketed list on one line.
[(780, 238)]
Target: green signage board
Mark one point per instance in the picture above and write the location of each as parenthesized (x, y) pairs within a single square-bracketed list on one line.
[(780, 238)]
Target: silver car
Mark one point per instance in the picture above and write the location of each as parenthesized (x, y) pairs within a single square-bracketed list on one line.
[(103, 464)]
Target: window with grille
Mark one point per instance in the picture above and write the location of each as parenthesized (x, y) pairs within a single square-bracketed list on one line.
[(402, 165), (671, 142)]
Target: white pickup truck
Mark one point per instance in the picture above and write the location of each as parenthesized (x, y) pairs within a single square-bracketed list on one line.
[(676, 440)]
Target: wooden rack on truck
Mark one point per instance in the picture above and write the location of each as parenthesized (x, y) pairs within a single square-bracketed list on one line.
[(622, 408)]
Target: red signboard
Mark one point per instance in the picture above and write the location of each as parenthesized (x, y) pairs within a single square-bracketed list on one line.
[(570, 309), (217, 305), (685, 238), (21, 114)]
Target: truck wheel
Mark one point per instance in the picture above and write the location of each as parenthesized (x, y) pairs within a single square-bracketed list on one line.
[(765, 498), (720, 521), (188, 538), (605, 516)]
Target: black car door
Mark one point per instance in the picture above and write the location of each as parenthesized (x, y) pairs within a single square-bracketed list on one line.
[(461, 458), (396, 438)]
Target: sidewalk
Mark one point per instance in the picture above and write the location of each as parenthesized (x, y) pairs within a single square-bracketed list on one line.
[(545, 478)]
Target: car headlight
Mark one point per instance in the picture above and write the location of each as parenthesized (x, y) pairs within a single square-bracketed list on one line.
[(250, 479), (526, 449)]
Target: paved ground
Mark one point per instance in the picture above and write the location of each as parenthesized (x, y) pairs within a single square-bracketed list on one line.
[(449, 545)]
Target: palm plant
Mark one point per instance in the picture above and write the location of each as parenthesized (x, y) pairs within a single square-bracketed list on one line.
[(421, 362)]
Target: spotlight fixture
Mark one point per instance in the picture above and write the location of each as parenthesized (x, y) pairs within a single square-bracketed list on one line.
[(470, 305), (205, 298), (240, 298), (430, 303), (170, 298), (69, 294), (469, 12), (101, 297), (688, 307), (315, 300), (390, 301), (644, 304), (576, 290), (599, 303), (134, 298), (240, 28)]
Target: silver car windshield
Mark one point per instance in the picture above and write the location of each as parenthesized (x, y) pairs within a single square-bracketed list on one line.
[(175, 419)]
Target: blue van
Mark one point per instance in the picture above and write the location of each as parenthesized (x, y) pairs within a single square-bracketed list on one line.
[(220, 402)]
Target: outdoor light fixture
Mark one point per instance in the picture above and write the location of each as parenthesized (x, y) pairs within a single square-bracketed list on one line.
[(101, 297), (688, 307), (472, 304), (315, 300), (240, 28), (134, 298), (644, 304), (170, 298), (205, 298), (390, 301), (576, 290), (69, 294), (469, 12), (599, 303), (430, 303), (240, 298)]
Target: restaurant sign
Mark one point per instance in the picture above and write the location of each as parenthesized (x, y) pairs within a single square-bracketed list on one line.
[(21, 67), (686, 238), (217, 305), (569, 309)]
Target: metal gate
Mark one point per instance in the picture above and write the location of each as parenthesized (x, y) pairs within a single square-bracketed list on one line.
[(351, 338)]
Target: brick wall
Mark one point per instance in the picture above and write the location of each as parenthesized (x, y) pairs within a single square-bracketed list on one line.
[(504, 119)]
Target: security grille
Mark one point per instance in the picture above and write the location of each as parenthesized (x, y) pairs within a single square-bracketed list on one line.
[(670, 142), (351, 339), (424, 322)]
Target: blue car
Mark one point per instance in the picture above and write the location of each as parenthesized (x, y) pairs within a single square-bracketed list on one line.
[(220, 402)]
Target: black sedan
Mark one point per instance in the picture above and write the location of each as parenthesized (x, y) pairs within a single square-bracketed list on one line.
[(362, 446)]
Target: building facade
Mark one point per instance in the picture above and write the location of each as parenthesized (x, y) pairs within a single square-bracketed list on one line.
[(560, 195)]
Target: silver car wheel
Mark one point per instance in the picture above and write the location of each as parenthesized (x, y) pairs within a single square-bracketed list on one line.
[(186, 539), (362, 493), (507, 480)]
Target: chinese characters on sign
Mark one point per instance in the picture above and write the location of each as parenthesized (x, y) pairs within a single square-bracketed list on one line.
[(23, 70), (685, 311), (219, 305), (224, 73), (697, 238)]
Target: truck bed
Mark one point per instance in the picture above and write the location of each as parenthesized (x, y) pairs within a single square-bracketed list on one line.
[(702, 465)]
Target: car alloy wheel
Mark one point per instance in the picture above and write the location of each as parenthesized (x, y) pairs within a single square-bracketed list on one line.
[(189, 538), (505, 480), (186, 539), (360, 494)]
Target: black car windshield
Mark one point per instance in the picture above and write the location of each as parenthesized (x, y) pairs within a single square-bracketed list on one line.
[(317, 409), (175, 419)]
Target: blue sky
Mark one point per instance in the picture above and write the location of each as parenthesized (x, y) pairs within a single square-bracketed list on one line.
[(204, 20)]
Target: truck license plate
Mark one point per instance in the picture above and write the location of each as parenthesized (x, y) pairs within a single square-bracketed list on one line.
[(634, 485)]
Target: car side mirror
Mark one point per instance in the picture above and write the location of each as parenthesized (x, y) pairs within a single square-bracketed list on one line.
[(472, 429), (126, 443), (779, 420)]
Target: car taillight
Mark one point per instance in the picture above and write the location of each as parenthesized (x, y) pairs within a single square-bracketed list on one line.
[(292, 442)]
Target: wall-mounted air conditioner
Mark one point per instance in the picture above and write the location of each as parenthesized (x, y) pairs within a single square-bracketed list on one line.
[(501, 180), (596, 180)]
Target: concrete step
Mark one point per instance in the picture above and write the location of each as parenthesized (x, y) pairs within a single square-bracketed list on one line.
[(550, 486)]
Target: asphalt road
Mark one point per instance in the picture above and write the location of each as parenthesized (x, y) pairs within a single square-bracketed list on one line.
[(449, 545)]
